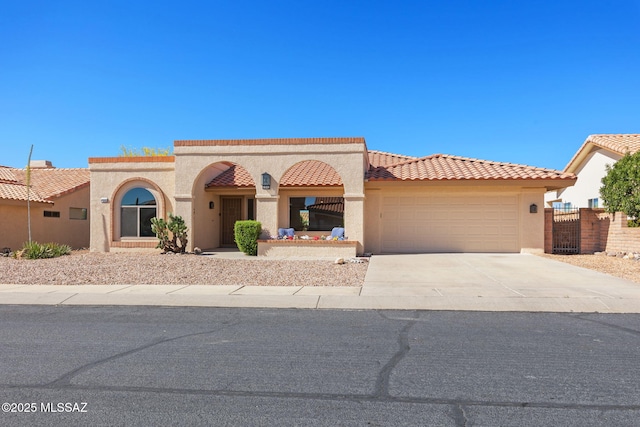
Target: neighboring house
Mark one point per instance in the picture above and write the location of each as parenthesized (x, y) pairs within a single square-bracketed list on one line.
[(59, 204), (388, 203), (589, 165)]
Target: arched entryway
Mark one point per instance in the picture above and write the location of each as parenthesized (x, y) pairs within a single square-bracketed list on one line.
[(222, 194)]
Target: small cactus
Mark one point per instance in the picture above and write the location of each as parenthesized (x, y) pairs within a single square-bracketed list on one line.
[(172, 235)]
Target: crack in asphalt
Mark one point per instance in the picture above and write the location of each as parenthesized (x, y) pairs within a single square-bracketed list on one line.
[(459, 416), (380, 394), (384, 376), (66, 378), (356, 398), (603, 323)]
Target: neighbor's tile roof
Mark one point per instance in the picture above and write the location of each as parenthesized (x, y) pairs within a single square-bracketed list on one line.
[(617, 143), (440, 167), (15, 191), (7, 175), (327, 204), (45, 183)]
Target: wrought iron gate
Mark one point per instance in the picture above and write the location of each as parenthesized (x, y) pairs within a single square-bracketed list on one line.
[(566, 231)]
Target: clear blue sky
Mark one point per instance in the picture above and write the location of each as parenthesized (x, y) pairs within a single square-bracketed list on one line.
[(513, 81)]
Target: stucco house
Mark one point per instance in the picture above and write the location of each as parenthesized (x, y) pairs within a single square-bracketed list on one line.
[(387, 203), (588, 164), (59, 203)]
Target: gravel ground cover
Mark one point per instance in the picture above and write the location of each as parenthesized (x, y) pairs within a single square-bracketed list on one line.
[(82, 267), (623, 268), (85, 268)]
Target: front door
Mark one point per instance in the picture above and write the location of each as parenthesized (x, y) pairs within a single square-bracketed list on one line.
[(231, 212)]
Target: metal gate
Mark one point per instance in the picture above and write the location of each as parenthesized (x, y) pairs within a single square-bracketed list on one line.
[(566, 231)]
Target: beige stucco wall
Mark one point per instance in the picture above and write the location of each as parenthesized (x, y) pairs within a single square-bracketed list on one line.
[(532, 224), (14, 223), (346, 159), (63, 230), (299, 249), (179, 186), (111, 178)]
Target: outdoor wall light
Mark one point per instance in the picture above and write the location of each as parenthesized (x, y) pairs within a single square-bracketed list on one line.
[(211, 205), (533, 208), (266, 181), (104, 200)]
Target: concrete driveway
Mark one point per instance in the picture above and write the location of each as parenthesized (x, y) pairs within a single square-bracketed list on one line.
[(497, 282)]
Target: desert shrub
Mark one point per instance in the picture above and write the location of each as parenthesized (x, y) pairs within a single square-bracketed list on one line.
[(172, 234), (35, 250), (246, 234)]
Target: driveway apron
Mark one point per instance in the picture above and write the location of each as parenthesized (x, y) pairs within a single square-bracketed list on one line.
[(499, 277)]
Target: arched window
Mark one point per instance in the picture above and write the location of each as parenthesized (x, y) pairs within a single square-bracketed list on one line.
[(137, 208)]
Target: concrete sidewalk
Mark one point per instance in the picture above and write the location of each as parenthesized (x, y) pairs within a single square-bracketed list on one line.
[(473, 282)]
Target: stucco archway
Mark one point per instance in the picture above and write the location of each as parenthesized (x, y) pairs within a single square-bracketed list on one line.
[(222, 193), (347, 156), (120, 191)]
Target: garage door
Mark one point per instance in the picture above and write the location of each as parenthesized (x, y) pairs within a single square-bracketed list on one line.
[(445, 223)]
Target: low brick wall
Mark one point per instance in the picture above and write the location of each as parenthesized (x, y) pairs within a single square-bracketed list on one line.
[(307, 248), (619, 237), (599, 232)]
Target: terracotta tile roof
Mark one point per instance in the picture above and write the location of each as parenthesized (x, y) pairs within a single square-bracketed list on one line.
[(235, 176), (617, 143), (45, 183), (7, 175), (310, 173), (380, 158), (15, 191), (303, 174), (436, 167), (439, 167), (272, 141)]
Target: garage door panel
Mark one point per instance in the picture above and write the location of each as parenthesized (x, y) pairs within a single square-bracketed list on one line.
[(455, 223)]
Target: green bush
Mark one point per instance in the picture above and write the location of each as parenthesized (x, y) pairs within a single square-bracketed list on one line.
[(246, 234), (620, 189), (35, 250)]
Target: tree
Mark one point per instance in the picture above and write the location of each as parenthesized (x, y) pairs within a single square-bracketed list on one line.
[(620, 189)]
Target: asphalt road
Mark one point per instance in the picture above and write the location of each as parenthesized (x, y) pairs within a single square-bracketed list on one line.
[(246, 367)]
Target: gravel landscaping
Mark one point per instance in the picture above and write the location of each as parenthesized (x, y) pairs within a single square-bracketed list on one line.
[(83, 268), (619, 267)]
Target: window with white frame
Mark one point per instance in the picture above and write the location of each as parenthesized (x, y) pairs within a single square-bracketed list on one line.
[(593, 203), (137, 208)]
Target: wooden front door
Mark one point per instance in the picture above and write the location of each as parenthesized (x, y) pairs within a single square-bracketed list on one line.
[(231, 212)]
